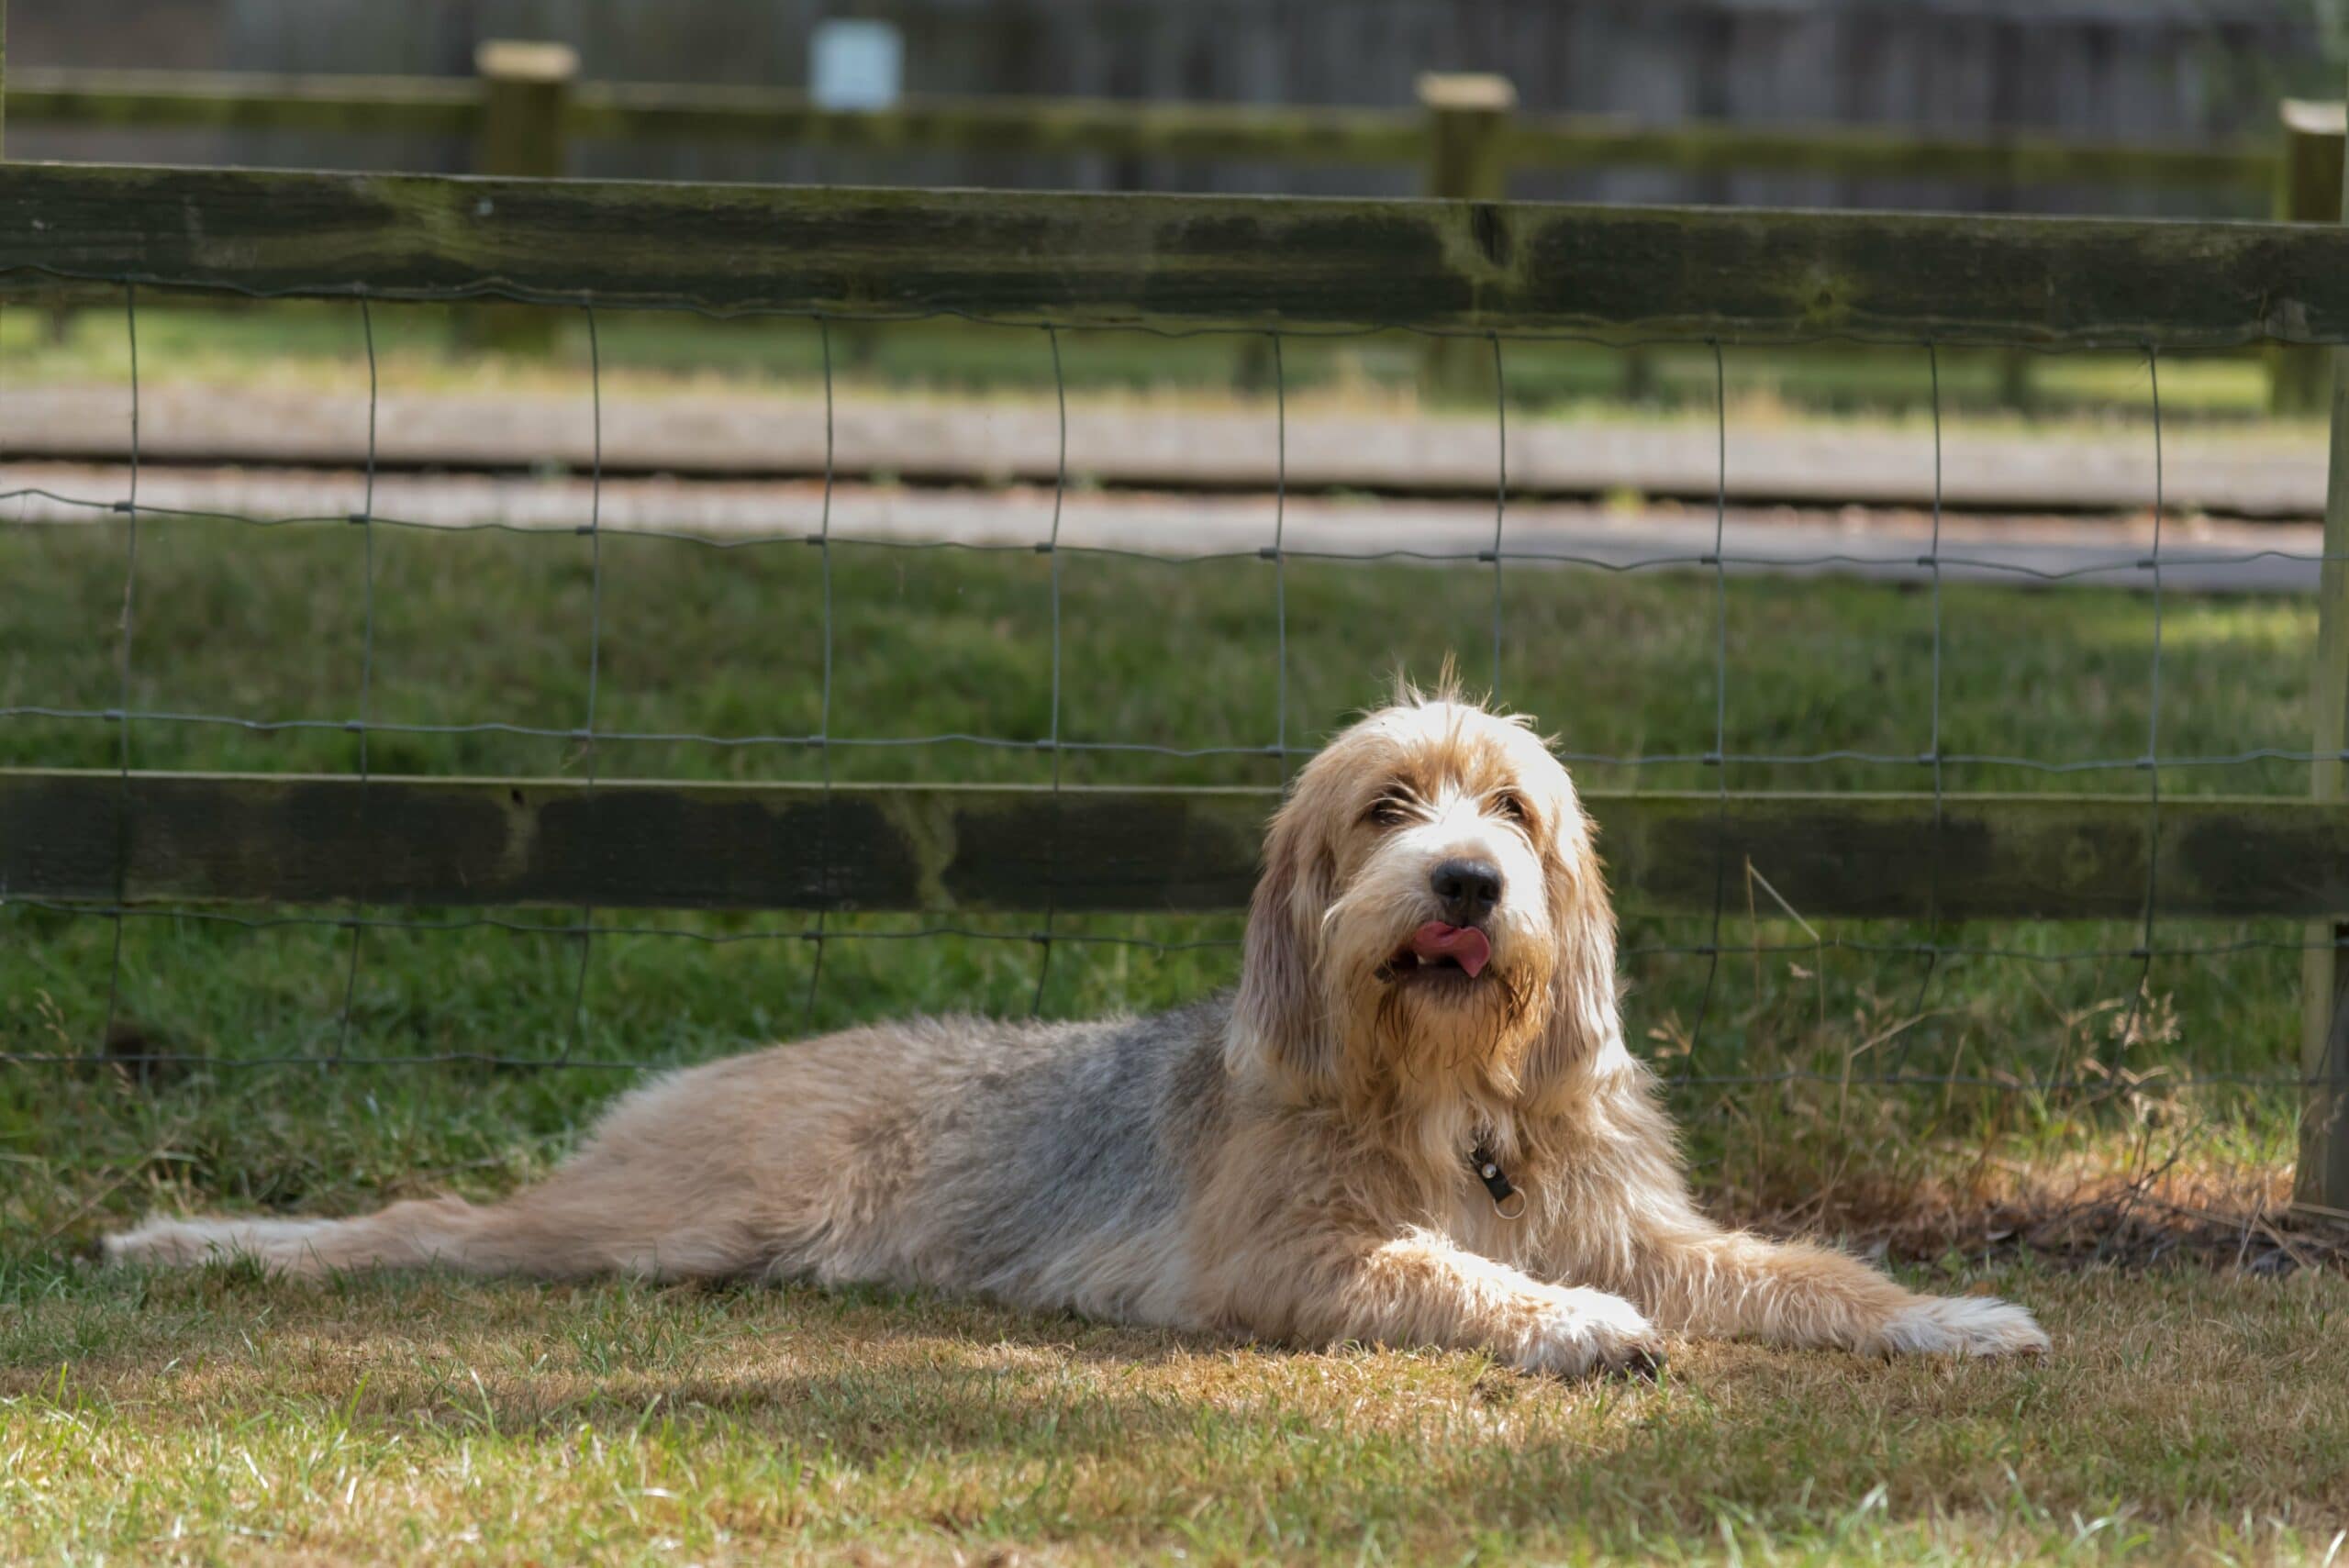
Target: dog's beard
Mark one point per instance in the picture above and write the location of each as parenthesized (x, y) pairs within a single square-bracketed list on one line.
[(1408, 1025)]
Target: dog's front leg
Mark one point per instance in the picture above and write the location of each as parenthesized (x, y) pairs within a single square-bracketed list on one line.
[(1420, 1289), (1699, 1279)]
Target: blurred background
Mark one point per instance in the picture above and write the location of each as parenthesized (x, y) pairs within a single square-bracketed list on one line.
[(2165, 108), (2189, 73)]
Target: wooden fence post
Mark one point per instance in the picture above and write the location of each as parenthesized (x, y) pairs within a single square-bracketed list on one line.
[(2324, 1175), (59, 317), (526, 91), (1467, 160), (2307, 190)]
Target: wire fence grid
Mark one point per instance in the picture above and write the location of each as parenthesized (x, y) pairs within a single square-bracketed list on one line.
[(817, 933)]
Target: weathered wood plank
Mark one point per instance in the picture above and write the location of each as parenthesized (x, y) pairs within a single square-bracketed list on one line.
[(1855, 152), (193, 100), (2307, 190), (524, 89), (1467, 160), (1187, 260), (942, 848), (1004, 126), (2323, 1173), (1046, 126), (472, 841), (1995, 856), (993, 124)]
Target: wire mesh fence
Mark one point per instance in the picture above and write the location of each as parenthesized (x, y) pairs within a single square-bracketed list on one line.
[(1049, 749)]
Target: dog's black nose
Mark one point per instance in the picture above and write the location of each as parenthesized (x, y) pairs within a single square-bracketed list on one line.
[(1468, 890)]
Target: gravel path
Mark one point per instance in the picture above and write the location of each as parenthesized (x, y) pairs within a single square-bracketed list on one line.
[(2256, 473), (2197, 554)]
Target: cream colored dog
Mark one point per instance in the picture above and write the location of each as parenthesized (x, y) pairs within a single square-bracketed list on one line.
[(1415, 1123)]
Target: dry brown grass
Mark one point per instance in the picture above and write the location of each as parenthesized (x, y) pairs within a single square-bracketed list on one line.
[(426, 1419), (2118, 1202)]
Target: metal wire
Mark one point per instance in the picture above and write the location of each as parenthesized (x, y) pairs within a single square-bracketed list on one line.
[(583, 928), (2120, 565), (129, 640), (2073, 1085), (2075, 341), (561, 929), (824, 713), (1280, 556), (1933, 742), (1051, 548), (2133, 764), (1500, 501), (365, 518), (595, 657), (2138, 997), (1716, 759)]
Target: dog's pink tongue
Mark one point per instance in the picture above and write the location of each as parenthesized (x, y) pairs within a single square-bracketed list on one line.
[(1464, 945)]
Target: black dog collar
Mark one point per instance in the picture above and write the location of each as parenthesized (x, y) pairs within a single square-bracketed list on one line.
[(1488, 1170)]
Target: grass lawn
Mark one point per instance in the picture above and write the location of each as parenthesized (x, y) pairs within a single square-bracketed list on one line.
[(2188, 1410), (424, 348), (221, 1418)]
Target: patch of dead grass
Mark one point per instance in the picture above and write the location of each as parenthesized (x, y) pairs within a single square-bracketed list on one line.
[(434, 1419)]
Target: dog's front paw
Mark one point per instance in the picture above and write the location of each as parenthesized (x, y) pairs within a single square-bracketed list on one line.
[(1960, 1326), (1578, 1332)]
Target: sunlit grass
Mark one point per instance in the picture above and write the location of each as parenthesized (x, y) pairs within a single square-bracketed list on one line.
[(427, 349), (218, 1416)]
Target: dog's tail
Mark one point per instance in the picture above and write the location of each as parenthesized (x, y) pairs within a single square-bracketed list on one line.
[(449, 1232), (536, 1232), (681, 1182)]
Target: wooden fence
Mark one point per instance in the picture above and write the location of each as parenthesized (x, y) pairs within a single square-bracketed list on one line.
[(571, 111), (1236, 262), (523, 112), (986, 849)]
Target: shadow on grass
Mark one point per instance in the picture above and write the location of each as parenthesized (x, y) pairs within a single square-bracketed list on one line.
[(977, 1417)]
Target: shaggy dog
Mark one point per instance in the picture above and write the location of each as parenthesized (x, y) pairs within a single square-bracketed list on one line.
[(1414, 1123)]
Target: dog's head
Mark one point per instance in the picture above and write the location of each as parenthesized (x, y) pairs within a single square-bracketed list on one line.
[(1432, 910)]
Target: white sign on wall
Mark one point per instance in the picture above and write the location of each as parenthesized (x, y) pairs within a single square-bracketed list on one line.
[(855, 64)]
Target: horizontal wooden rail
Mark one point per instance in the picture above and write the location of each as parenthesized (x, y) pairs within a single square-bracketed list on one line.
[(1080, 260), (1855, 152), (193, 100), (1025, 125), (1014, 126), (203, 837)]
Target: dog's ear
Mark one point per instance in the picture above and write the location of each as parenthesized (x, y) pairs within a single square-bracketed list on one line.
[(1280, 1025), (1584, 1011)]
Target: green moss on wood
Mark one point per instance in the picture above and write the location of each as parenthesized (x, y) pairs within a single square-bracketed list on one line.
[(939, 848), (1069, 127), (115, 100), (1188, 260), (1580, 141)]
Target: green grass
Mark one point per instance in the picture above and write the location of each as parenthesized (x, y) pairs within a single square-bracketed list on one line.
[(223, 1417), (426, 347)]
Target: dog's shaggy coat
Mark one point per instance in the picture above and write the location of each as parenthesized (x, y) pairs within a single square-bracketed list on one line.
[(1290, 1161)]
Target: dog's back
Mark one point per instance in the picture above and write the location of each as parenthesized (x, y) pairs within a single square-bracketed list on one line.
[(1059, 1177)]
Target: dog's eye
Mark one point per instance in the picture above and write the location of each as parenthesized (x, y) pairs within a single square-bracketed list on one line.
[(1387, 811), (1511, 805)]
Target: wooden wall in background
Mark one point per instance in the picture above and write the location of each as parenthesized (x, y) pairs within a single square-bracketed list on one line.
[(2117, 70)]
